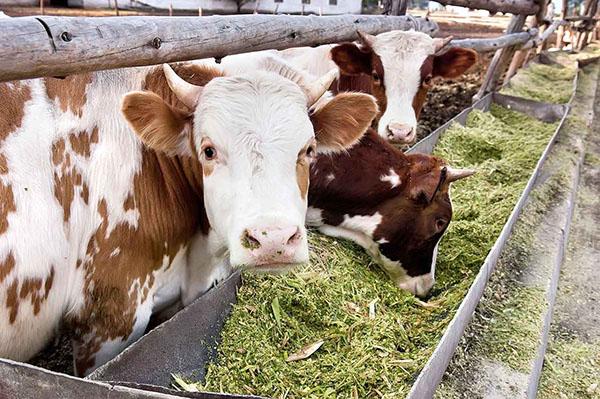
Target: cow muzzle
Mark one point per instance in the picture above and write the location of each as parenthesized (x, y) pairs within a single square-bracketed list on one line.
[(400, 133), (419, 285), (271, 247)]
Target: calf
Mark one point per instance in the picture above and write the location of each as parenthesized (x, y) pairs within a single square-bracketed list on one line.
[(396, 206), (397, 67), (109, 213)]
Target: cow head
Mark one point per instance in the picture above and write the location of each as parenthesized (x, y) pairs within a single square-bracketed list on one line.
[(397, 208), (252, 139), (398, 68)]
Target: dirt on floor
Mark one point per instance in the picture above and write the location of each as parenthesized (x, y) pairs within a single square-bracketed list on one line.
[(448, 97)]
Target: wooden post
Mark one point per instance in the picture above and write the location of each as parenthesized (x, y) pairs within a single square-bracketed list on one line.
[(501, 60), (171, 9), (41, 7), (199, 11), (276, 9), (561, 29), (403, 7), (398, 7), (116, 8)]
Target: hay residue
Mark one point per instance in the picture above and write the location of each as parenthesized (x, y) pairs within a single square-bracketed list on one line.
[(376, 337)]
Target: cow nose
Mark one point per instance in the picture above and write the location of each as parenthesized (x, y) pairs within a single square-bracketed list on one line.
[(400, 133), (272, 244), (419, 285)]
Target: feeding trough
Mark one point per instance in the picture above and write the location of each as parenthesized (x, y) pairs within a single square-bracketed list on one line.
[(187, 342)]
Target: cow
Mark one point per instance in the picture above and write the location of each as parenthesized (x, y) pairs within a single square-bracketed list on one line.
[(395, 206), (397, 67), (121, 192)]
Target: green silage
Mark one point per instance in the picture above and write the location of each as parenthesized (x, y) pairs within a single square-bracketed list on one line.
[(547, 83), (376, 337)]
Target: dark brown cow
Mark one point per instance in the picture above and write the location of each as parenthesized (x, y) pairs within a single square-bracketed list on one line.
[(396, 206)]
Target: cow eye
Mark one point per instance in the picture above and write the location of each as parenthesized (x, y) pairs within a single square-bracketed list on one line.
[(427, 80), (375, 77), (440, 224), (311, 152), (209, 153)]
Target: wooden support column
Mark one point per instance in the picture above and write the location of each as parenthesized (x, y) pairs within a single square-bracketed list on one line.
[(561, 29), (501, 60)]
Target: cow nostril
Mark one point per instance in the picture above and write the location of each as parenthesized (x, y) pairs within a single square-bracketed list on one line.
[(295, 237), (248, 241)]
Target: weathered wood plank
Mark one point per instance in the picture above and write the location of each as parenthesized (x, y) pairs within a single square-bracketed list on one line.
[(493, 44), (57, 46), (525, 7)]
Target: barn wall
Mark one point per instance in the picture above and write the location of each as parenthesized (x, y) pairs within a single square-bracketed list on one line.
[(264, 6)]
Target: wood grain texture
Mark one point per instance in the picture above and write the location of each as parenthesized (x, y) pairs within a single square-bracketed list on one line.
[(33, 47)]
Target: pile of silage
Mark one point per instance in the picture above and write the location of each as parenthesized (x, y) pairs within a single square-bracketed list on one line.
[(375, 338), (548, 83)]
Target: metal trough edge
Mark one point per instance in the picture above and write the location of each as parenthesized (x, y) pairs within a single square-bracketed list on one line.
[(431, 375)]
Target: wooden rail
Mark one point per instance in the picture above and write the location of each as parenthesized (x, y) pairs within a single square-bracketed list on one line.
[(544, 36), (523, 7), (486, 45), (32, 47)]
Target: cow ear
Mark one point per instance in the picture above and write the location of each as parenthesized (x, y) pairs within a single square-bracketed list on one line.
[(351, 60), (159, 126), (342, 121), (454, 62)]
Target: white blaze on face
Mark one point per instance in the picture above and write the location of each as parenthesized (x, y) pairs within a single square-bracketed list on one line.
[(258, 125), (402, 54)]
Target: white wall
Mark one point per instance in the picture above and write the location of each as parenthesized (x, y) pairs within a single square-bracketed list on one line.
[(264, 6)]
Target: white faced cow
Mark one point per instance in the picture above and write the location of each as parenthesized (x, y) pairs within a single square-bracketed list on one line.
[(397, 67), (100, 226)]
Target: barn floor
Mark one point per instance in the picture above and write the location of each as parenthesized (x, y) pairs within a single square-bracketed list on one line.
[(507, 334)]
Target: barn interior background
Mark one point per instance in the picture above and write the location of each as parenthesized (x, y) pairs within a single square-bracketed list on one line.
[(507, 42)]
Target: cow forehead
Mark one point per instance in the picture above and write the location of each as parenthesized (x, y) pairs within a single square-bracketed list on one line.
[(403, 51), (255, 108)]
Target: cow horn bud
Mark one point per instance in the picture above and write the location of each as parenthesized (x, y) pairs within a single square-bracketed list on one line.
[(318, 88), (440, 44), (365, 38), (457, 174), (186, 92)]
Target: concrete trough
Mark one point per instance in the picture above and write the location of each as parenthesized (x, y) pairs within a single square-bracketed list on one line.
[(187, 342)]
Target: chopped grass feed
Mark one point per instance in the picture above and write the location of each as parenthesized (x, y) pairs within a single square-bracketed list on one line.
[(548, 83), (376, 338)]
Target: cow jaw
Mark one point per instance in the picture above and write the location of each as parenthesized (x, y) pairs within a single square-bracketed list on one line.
[(402, 54)]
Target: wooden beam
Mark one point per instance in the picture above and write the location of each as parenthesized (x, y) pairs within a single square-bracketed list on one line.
[(32, 47), (501, 60), (493, 44), (544, 36), (525, 7)]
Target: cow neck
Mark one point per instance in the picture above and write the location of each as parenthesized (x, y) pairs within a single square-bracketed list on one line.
[(355, 181)]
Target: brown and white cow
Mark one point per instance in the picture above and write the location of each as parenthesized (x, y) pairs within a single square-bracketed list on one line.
[(396, 206), (100, 227), (397, 67)]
